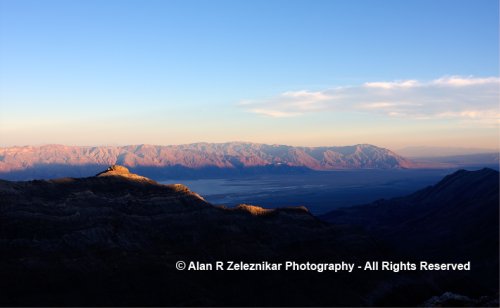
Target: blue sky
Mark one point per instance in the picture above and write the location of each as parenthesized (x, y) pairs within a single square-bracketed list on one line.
[(293, 72)]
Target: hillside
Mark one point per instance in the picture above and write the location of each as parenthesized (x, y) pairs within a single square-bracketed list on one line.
[(455, 220), (113, 239), (462, 207)]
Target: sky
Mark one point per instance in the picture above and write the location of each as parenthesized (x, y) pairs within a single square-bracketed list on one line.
[(312, 73)]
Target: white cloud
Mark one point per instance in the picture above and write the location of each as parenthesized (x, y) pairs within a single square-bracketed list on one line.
[(289, 104), (384, 105), (307, 95), (274, 113), (451, 97), (457, 81), (393, 84)]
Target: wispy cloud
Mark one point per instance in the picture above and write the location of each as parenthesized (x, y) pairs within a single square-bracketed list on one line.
[(457, 81), (451, 97), (392, 84)]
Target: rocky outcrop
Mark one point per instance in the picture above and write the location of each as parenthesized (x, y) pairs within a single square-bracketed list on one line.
[(117, 170)]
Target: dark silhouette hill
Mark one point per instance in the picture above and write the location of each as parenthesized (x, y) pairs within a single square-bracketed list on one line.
[(113, 240), (455, 220), (463, 203)]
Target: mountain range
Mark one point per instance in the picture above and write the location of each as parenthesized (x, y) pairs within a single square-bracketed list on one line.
[(435, 151), (50, 161), (469, 160), (113, 239)]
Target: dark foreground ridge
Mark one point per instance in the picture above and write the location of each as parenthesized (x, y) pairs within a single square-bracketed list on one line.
[(114, 239), (456, 220)]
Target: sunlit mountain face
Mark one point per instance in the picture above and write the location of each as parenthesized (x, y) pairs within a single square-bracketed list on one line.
[(54, 160), (197, 155)]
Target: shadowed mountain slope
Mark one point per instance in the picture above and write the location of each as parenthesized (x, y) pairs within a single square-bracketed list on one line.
[(463, 207), (455, 220)]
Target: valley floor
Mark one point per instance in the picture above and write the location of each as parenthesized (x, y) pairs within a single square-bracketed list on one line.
[(320, 192)]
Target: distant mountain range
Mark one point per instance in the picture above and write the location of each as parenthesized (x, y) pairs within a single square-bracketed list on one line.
[(50, 161), (434, 151), (468, 160), (113, 240)]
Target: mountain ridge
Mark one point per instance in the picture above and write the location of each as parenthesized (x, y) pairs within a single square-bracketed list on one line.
[(455, 220), (196, 156)]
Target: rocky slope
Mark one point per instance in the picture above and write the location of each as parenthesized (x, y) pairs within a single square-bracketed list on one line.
[(57, 160)]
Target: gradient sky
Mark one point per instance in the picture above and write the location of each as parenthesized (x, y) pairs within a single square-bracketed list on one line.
[(390, 73)]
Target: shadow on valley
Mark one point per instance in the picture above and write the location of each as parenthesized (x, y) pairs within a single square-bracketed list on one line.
[(114, 240)]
